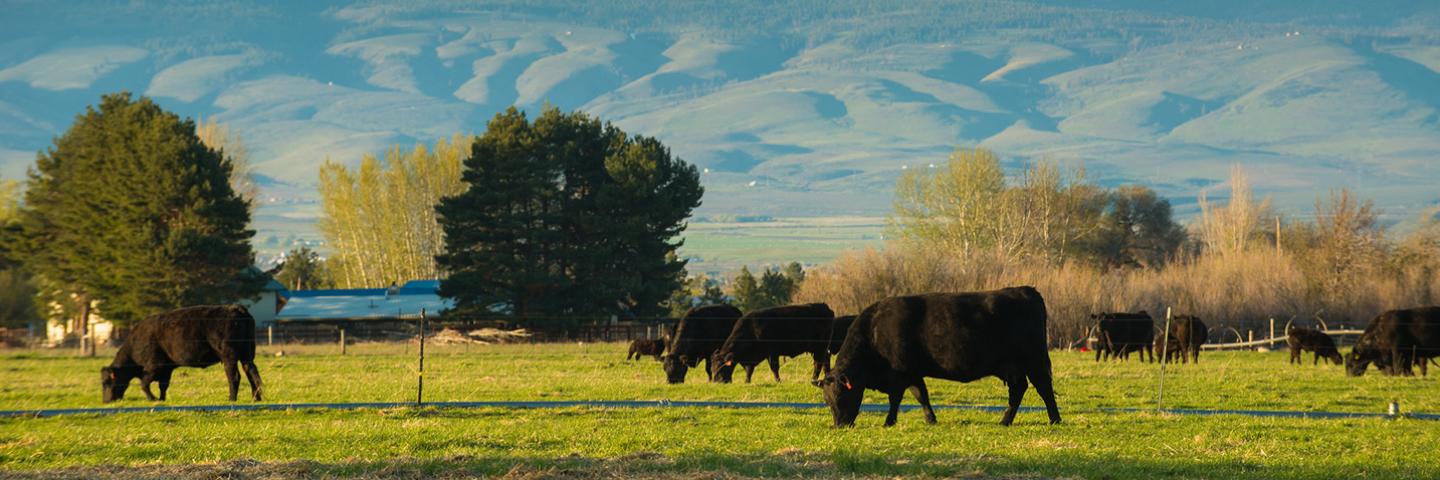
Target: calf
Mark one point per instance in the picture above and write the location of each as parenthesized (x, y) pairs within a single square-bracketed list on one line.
[(1395, 340), (768, 334), (189, 337), (899, 341), (1187, 334), (1118, 334), (643, 347), (700, 332), (1302, 339)]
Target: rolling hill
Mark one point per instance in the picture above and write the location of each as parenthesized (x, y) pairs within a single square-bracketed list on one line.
[(804, 108)]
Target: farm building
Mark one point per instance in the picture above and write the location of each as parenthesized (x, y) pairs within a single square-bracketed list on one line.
[(322, 315), (399, 302), (60, 331)]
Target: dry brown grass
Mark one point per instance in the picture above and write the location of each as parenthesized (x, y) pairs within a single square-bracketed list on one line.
[(1240, 290)]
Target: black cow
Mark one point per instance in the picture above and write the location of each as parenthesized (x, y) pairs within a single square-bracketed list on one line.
[(1118, 334), (770, 333), (898, 341), (1395, 340), (189, 337), (701, 331), (1187, 334), (1302, 339), (643, 347), (837, 332)]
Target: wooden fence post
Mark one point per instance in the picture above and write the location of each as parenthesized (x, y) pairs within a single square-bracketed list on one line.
[(1164, 358), (420, 386)]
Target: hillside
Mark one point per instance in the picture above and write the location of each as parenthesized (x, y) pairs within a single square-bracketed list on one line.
[(795, 109)]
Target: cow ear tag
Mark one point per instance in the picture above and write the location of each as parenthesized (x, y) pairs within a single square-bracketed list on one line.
[(846, 383)]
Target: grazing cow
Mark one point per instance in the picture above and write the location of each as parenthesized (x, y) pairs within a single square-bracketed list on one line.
[(1395, 340), (898, 341), (837, 332), (1187, 334), (189, 337), (768, 334), (701, 331), (1118, 334), (1302, 339), (643, 347)]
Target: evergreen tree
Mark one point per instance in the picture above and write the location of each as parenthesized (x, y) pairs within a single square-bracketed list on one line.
[(564, 218), (697, 291), (303, 269), (746, 290), (129, 209)]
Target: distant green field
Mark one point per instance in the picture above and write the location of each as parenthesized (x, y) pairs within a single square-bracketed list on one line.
[(725, 247), (686, 442)]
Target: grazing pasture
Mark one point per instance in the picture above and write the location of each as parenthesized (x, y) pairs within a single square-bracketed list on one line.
[(686, 442)]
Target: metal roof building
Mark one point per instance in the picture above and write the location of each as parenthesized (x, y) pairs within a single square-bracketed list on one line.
[(364, 304)]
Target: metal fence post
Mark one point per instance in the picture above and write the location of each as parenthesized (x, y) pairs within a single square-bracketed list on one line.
[(420, 386), (1164, 358)]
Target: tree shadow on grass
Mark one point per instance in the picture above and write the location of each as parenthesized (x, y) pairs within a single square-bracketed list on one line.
[(784, 463)]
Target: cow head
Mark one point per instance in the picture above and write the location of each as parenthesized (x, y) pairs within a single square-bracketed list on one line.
[(114, 380), (1359, 360), (675, 368), (723, 364), (843, 396)]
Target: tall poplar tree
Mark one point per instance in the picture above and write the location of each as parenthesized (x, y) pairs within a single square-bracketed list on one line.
[(130, 212), (565, 218)]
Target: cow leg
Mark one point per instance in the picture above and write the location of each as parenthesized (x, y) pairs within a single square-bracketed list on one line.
[(922, 395), (145, 379), (749, 372), (895, 398), (163, 378), (1017, 393), (1044, 385), (232, 375), (822, 363), (775, 367), (252, 374)]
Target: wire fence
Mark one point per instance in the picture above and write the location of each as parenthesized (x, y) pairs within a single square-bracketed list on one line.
[(442, 361)]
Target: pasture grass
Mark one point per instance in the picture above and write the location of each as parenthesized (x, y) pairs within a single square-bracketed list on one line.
[(686, 442)]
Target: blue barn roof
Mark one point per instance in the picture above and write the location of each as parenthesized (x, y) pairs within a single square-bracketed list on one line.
[(396, 303)]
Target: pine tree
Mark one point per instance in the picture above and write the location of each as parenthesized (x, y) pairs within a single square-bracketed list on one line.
[(303, 269), (566, 218), (746, 290), (131, 210)]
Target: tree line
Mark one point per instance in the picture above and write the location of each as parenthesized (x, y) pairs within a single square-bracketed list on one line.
[(964, 226)]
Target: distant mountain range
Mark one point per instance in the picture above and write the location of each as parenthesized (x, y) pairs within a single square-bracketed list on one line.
[(807, 108)]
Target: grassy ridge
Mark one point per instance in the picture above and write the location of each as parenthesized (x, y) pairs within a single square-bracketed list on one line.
[(623, 442)]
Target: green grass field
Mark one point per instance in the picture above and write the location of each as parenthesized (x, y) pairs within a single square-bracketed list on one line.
[(690, 442)]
